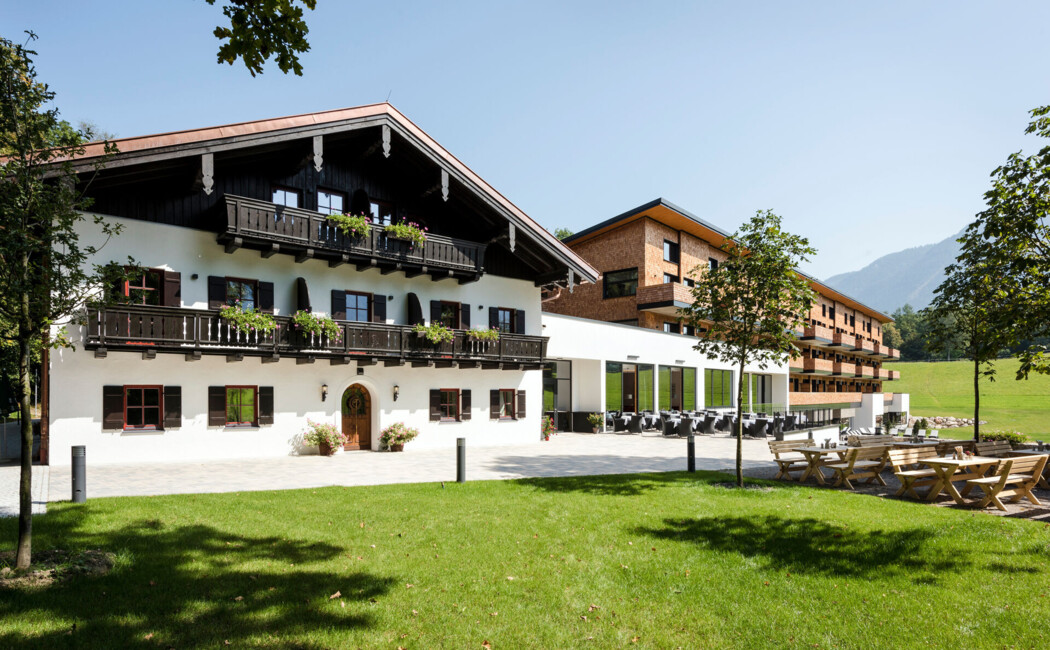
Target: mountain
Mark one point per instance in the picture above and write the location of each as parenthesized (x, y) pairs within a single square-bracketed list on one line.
[(905, 277)]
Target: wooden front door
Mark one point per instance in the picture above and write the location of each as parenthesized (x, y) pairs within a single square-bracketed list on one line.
[(357, 418)]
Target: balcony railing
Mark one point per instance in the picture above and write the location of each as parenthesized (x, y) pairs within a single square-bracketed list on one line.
[(843, 368), (888, 375), (822, 366), (303, 232), (865, 371), (863, 345), (885, 351), (818, 334), (842, 339), (171, 329)]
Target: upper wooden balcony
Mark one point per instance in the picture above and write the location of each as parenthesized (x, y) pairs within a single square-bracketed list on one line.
[(194, 332), (886, 352), (818, 366), (888, 375), (863, 345), (806, 398), (866, 372), (272, 229), (665, 298), (844, 368), (817, 335)]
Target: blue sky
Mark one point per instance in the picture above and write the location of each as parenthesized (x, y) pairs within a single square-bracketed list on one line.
[(870, 127)]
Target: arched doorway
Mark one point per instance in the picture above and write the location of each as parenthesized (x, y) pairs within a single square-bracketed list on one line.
[(357, 417)]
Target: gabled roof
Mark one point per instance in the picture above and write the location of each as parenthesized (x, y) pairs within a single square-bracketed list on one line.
[(142, 149)]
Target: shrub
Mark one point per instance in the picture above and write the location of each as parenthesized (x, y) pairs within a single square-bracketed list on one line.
[(409, 230), (352, 225), (397, 433), (310, 323), (318, 432), (247, 320), (595, 419), (1013, 437), (435, 332)]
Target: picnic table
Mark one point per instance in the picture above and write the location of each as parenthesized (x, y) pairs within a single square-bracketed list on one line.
[(953, 469), (1034, 452), (815, 460), (907, 444)]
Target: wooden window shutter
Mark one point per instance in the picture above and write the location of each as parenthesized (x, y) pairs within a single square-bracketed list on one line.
[(378, 309), (464, 317), (172, 296), (302, 295), (494, 404), (338, 304), (216, 406), (265, 404), (112, 407), (519, 322), (464, 404), (266, 297), (493, 317), (521, 405), (216, 291), (172, 407), (435, 405), (435, 311)]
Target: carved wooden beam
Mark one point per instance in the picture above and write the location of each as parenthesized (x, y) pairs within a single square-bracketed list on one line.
[(234, 358), (207, 173), (444, 185), (271, 251), (339, 361), (193, 356), (393, 362), (307, 254), (305, 360), (318, 152), (273, 358), (342, 259), (386, 141)]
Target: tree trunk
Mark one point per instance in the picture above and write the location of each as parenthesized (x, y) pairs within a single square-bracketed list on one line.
[(25, 486), (740, 426), (976, 399)]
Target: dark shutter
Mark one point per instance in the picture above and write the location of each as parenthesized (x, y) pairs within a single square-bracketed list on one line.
[(464, 404), (415, 310), (216, 406), (172, 289), (266, 297), (359, 202), (112, 407), (265, 404), (378, 309), (519, 322), (338, 304), (521, 405), (464, 317), (216, 291), (435, 405), (172, 407), (494, 404), (302, 295), (435, 311), (493, 317)]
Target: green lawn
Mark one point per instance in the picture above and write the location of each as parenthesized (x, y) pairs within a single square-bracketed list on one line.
[(665, 560), (946, 388)]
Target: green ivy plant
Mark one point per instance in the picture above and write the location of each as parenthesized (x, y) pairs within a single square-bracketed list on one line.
[(435, 332), (484, 335), (409, 230), (352, 225), (251, 320), (318, 324)]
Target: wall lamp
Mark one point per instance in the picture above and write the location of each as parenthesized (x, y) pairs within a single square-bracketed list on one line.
[(397, 391), (324, 392)]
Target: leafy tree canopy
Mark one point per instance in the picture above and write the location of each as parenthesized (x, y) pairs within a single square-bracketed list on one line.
[(260, 29), (563, 233)]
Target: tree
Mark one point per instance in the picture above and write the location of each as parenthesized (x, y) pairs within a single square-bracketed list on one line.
[(891, 336), (1013, 236), (43, 275), (752, 303), (967, 299), (563, 233), (260, 29)]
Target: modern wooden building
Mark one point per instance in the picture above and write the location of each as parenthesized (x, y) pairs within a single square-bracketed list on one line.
[(648, 258), (238, 215)]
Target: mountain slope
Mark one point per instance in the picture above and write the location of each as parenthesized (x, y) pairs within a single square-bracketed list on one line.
[(905, 277)]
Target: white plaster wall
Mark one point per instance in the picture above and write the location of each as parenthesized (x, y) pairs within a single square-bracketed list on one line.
[(871, 407)]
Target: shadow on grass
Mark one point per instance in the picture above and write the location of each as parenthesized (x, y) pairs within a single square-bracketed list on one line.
[(188, 586), (814, 547), (631, 484)]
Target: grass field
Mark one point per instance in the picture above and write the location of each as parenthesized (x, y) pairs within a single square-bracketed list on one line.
[(946, 388), (649, 561)]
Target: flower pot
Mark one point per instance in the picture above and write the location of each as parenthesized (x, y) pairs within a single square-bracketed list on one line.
[(397, 446), (325, 449), (594, 429)]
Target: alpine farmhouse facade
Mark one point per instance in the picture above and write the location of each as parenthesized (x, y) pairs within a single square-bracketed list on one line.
[(239, 215)]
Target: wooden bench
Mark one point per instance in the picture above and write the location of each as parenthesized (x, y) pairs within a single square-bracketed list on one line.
[(1022, 473), (994, 448), (860, 462), (901, 460), (874, 441), (788, 464), (945, 447)]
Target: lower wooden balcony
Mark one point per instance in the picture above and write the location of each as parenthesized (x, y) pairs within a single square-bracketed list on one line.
[(817, 366), (843, 368), (866, 372), (888, 375), (196, 332)]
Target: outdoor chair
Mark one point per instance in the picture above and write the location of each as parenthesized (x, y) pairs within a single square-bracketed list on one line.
[(619, 425), (723, 423), (859, 463), (709, 423), (777, 428), (1022, 473), (902, 461), (758, 429), (789, 422), (787, 464), (634, 425), (685, 426), (670, 427)]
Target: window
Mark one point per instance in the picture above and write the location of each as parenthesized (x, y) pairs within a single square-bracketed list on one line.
[(357, 306), (621, 283), (718, 388), (240, 406), (507, 408), (382, 213), (712, 263), (449, 404), (688, 282), (628, 387), (688, 330), (505, 320), (142, 407), (143, 287), (670, 279), (823, 311), (286, 196), (242, 292), (557, 386), (845, 318), (831, 314), (449, 314), (671, 251), (677, 388), (672, 328), (330, 202)]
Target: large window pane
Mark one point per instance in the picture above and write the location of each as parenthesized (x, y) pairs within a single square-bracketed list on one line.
[(645, 388), (240, 405), (689, 388), (613, 386), (621, 283)]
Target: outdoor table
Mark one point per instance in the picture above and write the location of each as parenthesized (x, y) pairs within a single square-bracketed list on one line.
[(650, 421), (946, 470), (1035, 452), (815, 460), (915, 445)]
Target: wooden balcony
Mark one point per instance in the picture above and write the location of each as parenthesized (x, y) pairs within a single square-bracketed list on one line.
[(665, 298), (863, 345), (817, 366), (272, 229), (843, 340), (866, 372), (818, 334), (887, 375), (886, 352), (194, 332), (843, 368), (823, 398)]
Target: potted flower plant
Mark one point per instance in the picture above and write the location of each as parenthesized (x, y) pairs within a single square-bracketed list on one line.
[(306, 322), (548, 428), (356, 226), (435, 332), (327, 438), (484, 335), (396, 435), (409, 231), (596, 421), (247, 320)]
